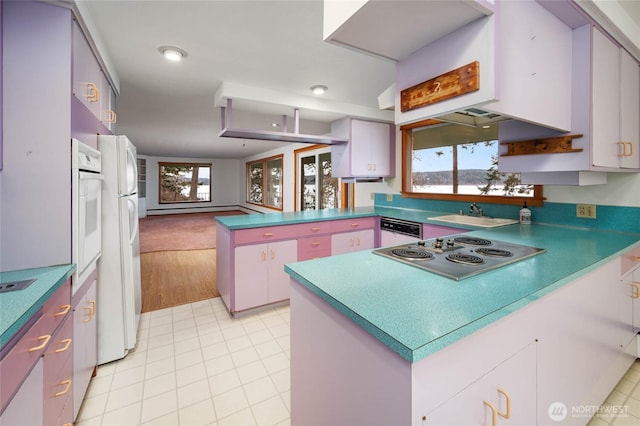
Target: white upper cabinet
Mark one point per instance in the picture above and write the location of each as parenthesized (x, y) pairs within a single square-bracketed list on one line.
[(524, 56), (90, 85), (606, 112), (369, 152), (615, 102)]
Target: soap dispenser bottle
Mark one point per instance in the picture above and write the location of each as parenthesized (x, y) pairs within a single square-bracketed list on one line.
[(525, 215)]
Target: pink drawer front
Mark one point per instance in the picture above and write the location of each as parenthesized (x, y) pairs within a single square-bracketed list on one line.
[(58, 306), (630, 260), (58, 392), (314, 247), (261, 235), (314, 228), (346, 225)]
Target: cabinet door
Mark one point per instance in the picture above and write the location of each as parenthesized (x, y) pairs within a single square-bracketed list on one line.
[(370, 148), (628, 307), (629, 111), (86, 73), (280, 253), (251, 276), (348, 242), (85, 355), (26, 408), (605, 101), (509, 390)]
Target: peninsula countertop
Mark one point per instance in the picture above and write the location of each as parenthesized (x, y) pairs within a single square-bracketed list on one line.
[(416, 313)]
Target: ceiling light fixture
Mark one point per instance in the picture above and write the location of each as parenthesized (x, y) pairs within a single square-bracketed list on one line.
[(172, 53), (319, 89)]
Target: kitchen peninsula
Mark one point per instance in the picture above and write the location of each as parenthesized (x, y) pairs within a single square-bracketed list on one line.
[(392, 344)]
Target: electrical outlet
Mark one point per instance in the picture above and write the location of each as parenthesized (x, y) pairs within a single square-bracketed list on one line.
[(586, 211), (389, 197)]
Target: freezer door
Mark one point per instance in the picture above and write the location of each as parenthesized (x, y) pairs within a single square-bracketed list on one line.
[(127, 167)]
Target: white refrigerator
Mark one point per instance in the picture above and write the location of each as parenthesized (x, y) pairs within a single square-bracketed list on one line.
[(119, 292)]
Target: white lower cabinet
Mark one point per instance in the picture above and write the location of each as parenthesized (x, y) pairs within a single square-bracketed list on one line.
[(259, 273), (505, 395), (348, 242)]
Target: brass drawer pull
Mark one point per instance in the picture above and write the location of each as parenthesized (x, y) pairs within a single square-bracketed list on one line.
[(507, 413), (67, 343), (46, 339), (64, 311), (67, 386)]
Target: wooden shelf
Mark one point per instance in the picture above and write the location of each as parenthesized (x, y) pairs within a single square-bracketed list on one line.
[(554, 145)]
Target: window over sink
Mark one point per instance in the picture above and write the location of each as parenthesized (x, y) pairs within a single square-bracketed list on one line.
[(449, 161)]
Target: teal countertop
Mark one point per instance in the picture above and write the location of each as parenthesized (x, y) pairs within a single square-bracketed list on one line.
[(291, 218), (416, 313), (17, 307)]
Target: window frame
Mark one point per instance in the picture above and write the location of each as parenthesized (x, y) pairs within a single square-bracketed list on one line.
[(162, 164), (407, 149), (264, 162)]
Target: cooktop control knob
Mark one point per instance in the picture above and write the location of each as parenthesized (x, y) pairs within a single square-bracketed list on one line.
[(421, 243), (450, 243)]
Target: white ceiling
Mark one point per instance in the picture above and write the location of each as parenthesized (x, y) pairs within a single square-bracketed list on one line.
[(273, 49), (167, 109)]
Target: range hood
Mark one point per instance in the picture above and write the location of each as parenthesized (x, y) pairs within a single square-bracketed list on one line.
[(474, 117), (229, 132)]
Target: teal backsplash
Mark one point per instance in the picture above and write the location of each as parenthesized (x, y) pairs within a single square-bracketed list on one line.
[(611, 218)]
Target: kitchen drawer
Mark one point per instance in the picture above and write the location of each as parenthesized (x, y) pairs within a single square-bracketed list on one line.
[(58, 393), (630, 260), (314, 247), (58, 353), (314, 228), (347, 225), (261, 235), (58, 306)]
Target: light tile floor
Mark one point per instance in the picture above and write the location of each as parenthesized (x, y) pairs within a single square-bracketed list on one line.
[(624, 401), (194, 365)]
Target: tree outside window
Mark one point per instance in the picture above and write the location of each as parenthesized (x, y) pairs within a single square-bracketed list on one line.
[(264, 182), (184, 183)]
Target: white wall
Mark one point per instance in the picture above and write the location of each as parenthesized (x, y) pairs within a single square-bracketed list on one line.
[(621, 189), (224, 185)]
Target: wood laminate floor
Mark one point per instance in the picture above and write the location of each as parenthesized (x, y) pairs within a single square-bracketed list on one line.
[(172, 278)]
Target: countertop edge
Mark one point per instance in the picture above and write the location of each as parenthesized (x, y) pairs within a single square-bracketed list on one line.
[(17, 325)]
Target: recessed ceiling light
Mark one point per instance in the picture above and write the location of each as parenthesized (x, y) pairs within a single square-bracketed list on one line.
[(275, 125), (486, 126), (172, 53), (319, 89)]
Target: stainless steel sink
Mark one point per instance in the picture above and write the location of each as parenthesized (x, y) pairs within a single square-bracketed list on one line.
[(481, 221)]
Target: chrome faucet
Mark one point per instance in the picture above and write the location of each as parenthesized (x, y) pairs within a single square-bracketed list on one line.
[(475, 207)]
